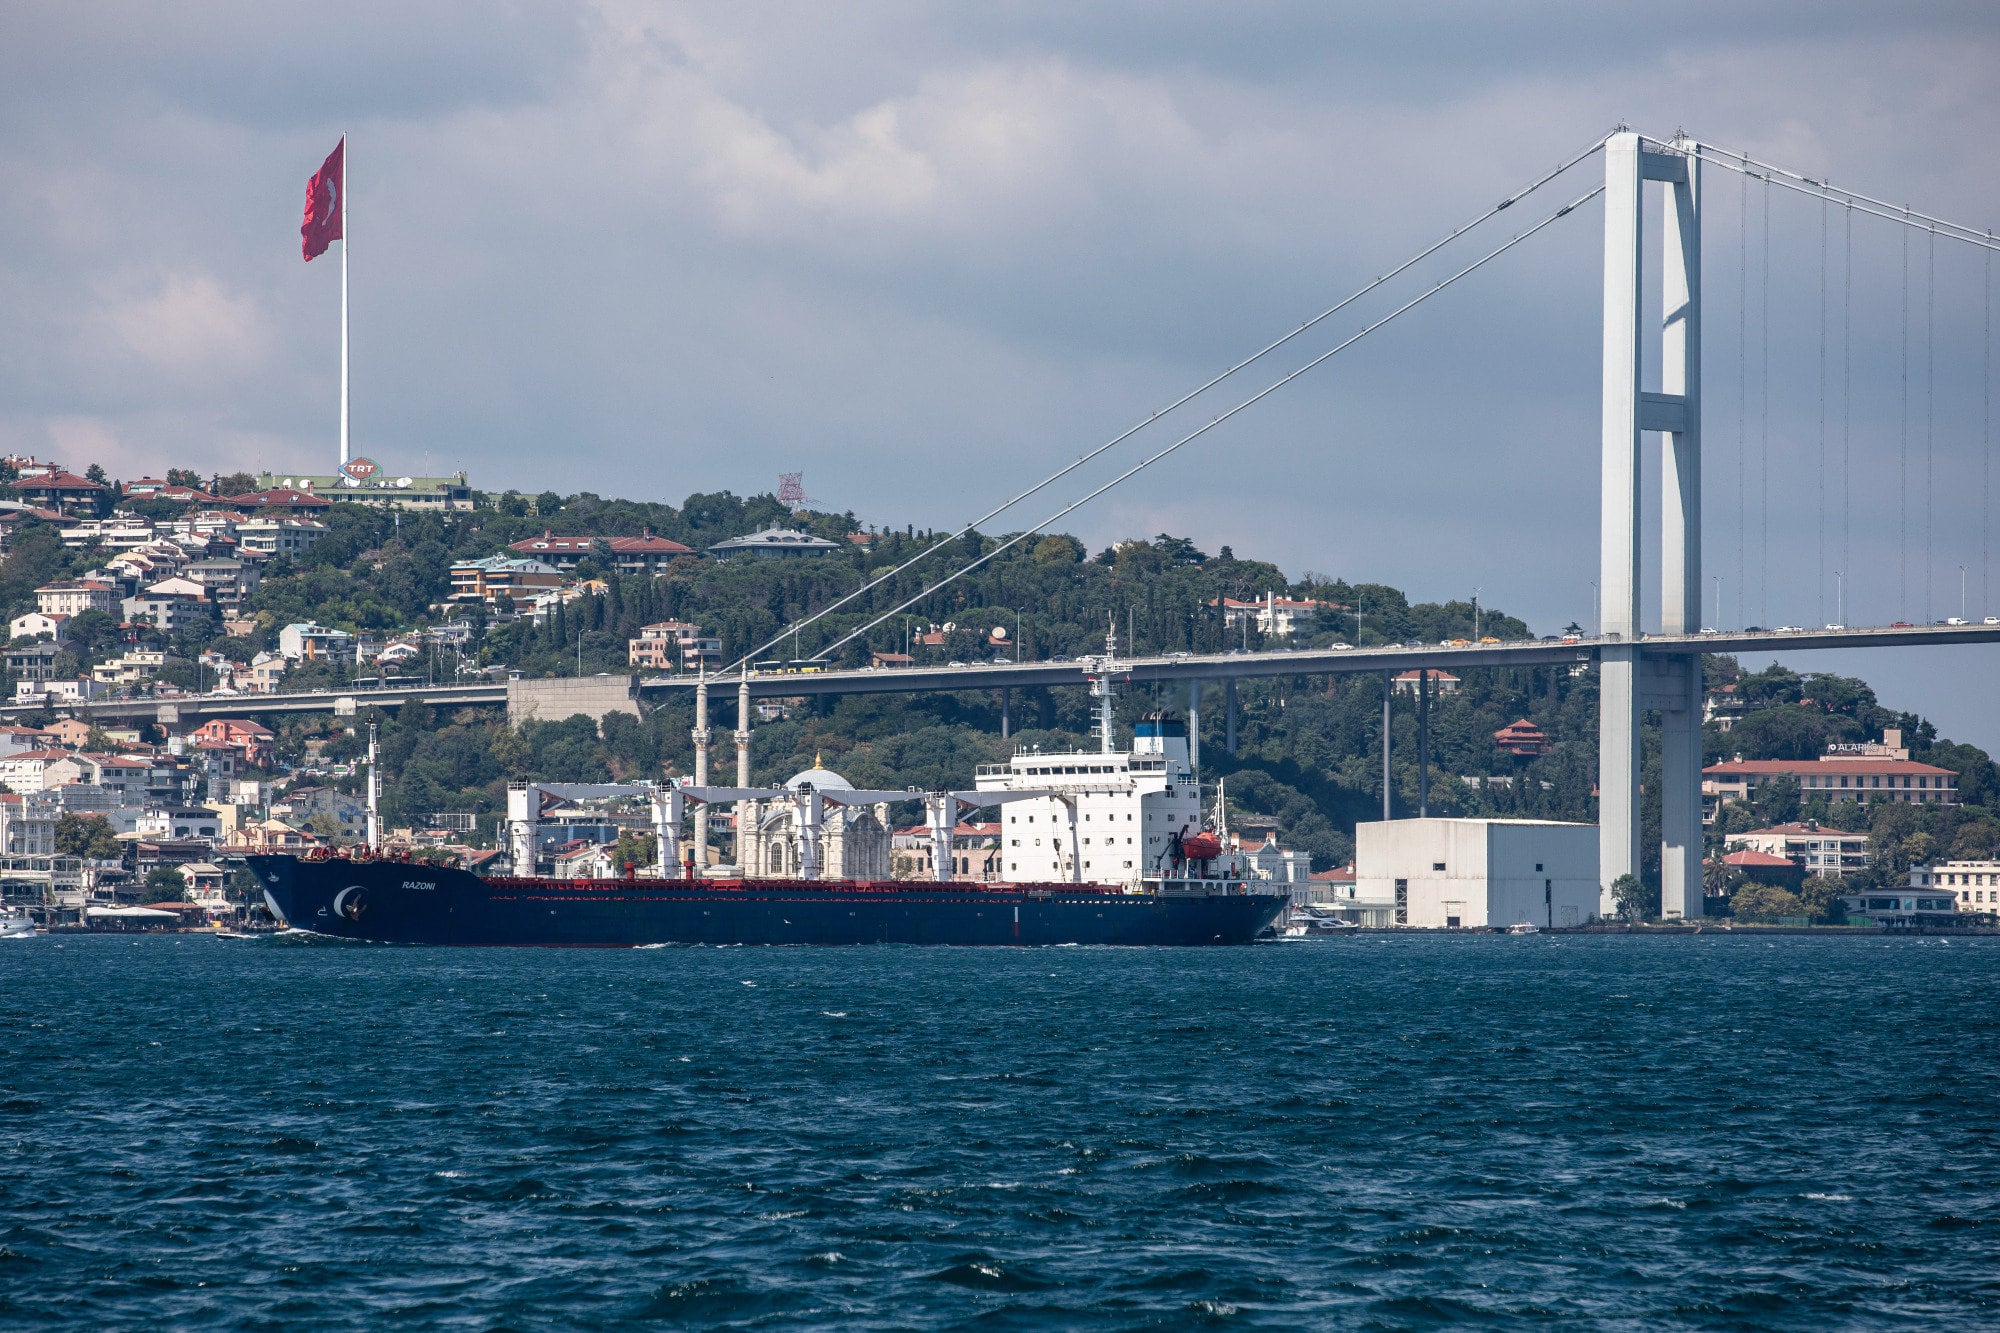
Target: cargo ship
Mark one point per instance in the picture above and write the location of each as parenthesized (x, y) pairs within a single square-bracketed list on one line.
[(408, 902), (1103, 846)]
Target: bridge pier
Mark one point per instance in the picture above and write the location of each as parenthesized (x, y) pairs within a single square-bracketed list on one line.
[(1424, 744), (1388, 689), (1628, 412)]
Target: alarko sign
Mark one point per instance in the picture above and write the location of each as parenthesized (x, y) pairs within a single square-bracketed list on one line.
[(360, 469)]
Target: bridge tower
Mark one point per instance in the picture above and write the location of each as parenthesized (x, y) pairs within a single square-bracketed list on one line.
[(1628, 682)]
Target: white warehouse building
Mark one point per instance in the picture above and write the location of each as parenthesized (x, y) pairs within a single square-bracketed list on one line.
[(1479, 872)]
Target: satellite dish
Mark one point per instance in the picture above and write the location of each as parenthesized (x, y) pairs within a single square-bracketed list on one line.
[(999, 631), (402, 483)]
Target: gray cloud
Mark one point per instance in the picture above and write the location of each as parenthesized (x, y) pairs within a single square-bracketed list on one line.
[(926, 252)]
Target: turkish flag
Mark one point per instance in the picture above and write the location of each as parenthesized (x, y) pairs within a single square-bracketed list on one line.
[(323, 198)]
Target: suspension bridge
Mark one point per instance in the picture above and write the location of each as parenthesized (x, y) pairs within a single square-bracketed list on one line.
[(1652, 386)]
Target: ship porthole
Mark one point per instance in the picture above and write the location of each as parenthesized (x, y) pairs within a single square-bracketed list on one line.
[(350, 902)]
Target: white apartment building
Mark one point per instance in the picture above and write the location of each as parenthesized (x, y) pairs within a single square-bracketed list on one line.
[(1821, 850), (72, 597), (279, 536), (28, 825), (1974, 886)]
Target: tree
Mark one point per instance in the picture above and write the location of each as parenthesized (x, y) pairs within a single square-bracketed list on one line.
[(1630, 896), (95, 472), (635, 849), (1820, 896), (234, 483), (1765, 902), (181, 476), (164, 884), (86, 836)]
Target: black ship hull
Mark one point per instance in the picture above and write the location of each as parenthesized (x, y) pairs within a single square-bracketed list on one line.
[(401, 902)]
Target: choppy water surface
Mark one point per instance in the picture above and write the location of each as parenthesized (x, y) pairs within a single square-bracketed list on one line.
[(1790, 1132)]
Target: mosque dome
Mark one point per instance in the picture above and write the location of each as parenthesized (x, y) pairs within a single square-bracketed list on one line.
[(818, 777)]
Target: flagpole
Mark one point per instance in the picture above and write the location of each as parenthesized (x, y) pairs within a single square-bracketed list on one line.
[(343, 300)]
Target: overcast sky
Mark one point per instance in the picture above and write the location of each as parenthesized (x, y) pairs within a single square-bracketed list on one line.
[(924, 253)]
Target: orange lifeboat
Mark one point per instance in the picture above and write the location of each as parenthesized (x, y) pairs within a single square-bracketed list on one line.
[(1201, 846)]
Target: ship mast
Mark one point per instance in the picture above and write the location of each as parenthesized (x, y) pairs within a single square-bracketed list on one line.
[(1100, 671)]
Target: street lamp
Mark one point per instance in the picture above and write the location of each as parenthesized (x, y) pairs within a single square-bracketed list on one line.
[(1961, 592)]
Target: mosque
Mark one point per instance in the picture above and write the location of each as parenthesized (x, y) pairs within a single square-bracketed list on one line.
[(853, 840)]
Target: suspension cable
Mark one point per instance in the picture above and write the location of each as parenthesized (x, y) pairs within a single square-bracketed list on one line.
[(1806, 185), (1196, 434), (1182, 401)]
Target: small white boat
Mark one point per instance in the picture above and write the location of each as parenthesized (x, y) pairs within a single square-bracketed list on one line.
[(16, 924), (1524, 928)]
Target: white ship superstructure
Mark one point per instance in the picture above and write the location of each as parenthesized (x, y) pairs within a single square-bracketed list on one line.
[(1109, 816)]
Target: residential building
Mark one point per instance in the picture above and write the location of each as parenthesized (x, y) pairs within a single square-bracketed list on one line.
[(497, 576), (367, 483), (308, 642), (644, 554), (117, 533), (669, 644), (32, 663), (280, 499), (1269, 861), (129, 668), (1817, 849), (72, 597), (56, 691), (773, 541), (975, 853), (1836, 776), (1465, 873), (64, 492), (563, 552), (169, 605), (270, 835), (28, 825), (1276, 617), (1974, 886), (1442, 681), (1900, 909), (286, 537), (304, 804), (226, 582), (37, 625), (1765, 868), (27, 770), (890, 661), (252, 740), (1522, 739), (266, 670)]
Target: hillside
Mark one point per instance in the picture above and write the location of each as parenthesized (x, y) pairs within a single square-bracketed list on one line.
[(1308, 756)]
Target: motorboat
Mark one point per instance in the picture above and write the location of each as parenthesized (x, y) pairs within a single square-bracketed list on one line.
[(1524, 928), (16, 924)]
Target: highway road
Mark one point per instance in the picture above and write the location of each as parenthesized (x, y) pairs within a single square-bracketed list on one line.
[(191, 709)]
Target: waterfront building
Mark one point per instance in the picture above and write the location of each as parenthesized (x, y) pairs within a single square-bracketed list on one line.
[(1974, 886), (1479, 872), (1901, 908), (1817, 849)]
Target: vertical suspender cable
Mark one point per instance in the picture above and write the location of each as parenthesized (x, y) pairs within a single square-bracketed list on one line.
[(1986, 447)]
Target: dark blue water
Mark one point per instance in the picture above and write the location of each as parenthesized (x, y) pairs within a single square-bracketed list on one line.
[(1394, 1132)]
